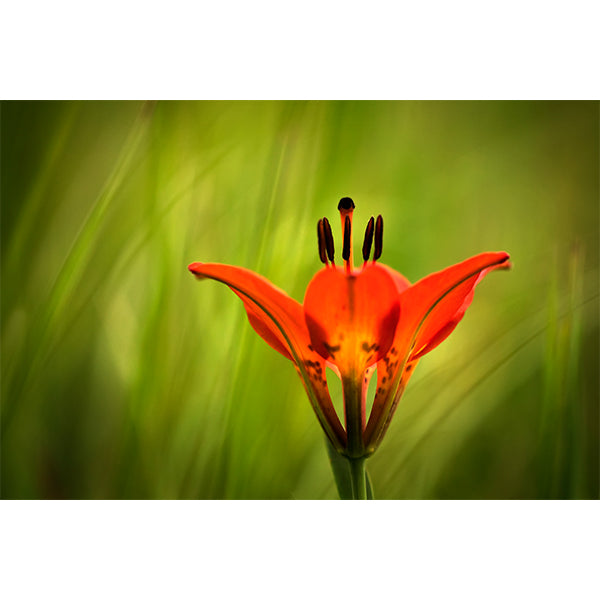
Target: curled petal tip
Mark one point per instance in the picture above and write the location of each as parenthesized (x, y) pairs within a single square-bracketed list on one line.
[(504, 263), (507, 264), (195, 268)]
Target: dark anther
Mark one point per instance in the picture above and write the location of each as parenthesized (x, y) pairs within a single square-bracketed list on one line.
[(321, 236), (328, 238), (368, 239), (378, 238), (346, 204), (346, 250)]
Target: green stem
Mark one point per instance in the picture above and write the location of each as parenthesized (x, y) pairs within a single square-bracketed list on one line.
[(354, 414), (359, 478), (345, 473)]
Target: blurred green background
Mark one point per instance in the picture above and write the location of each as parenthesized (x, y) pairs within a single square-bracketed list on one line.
[(124, 377)]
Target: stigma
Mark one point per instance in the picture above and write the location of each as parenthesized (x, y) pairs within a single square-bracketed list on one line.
[(373, 238)]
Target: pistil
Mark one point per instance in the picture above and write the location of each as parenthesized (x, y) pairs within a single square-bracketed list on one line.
[(346, 208)]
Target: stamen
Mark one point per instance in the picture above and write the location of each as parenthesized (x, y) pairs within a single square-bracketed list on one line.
[(346, 208), (366, 249), (378, 238), (321, 237), (347, 231), (328, 239)]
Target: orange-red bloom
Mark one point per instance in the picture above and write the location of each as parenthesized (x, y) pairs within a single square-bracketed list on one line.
[(356, 321)]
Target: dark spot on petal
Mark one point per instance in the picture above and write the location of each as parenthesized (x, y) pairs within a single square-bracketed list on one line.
[(331, 349), (368, 348)]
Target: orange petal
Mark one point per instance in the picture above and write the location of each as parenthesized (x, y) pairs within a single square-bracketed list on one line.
[(400, 281), (433, 307), (279, 320), (258, 295), (429, 312), (352, 318), (390, 386)]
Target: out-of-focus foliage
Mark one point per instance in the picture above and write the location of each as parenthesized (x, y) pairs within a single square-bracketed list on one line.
[(123, 377)]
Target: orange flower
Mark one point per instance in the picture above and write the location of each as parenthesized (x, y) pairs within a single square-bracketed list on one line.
[(356, 321)]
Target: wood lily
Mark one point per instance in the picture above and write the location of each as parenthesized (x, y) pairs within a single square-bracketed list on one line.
[(356, 321)]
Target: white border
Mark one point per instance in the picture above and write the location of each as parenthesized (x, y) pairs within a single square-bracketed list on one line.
[(315, 49), (516, 549)]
